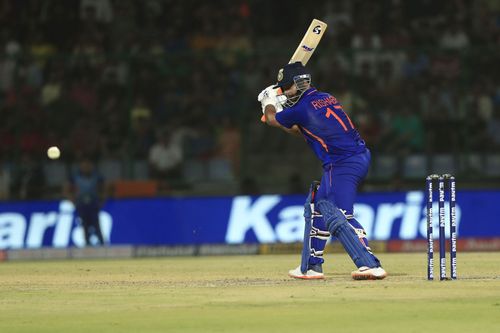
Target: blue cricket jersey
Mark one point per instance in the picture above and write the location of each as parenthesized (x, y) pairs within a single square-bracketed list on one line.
[(87, 187), (326, 127)]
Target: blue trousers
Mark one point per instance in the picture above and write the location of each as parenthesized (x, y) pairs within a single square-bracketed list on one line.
[(89, 215), (339, 184)]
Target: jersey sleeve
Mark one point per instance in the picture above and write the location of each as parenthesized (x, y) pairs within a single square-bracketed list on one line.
[(288, 117)]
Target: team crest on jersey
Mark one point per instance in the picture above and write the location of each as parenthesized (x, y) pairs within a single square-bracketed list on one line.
[(280, 75)]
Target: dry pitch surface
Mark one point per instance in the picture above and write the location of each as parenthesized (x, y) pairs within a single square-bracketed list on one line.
[(246, 294)]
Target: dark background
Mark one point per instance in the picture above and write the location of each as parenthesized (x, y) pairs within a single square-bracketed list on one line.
[(107, 79)]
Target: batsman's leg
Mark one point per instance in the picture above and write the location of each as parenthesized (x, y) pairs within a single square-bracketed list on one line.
[(336, 222)]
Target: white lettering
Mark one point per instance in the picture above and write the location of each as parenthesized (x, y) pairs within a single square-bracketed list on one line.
[(39, 223), (78, 235), (386, 214), (411, 217), (246, 216), (106, 223), (291, 227), (64, 224), (12, 229), (365, 215)]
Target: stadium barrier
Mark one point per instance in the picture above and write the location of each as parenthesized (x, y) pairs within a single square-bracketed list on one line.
[(274, 221)]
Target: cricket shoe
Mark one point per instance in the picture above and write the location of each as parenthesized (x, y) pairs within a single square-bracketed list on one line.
[(367, 273), (314, 272)]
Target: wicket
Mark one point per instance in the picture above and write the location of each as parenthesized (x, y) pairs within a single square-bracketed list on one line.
[(444, 182)]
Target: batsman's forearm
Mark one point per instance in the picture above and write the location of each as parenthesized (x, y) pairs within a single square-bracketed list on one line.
[(270, 115)]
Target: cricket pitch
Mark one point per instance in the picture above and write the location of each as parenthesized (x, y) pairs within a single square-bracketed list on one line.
[(246, 294)]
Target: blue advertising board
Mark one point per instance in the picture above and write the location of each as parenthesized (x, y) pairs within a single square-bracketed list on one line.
[(233, 220)]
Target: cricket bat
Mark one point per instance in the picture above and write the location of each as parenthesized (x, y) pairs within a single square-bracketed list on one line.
[(307, 45), (310, 42)]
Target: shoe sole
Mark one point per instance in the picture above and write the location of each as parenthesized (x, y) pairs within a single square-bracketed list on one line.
[(305, 277), (368, 277)]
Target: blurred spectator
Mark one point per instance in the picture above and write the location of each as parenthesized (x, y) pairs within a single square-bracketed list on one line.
[(205, 38), (113, 128), (493, 130), (63, 114), (142, 134), (454, 37), (32, 140), (141, 138), (228, 144), (367, 43), (416, 63), (28, 181), (202, 146), (352, 103), (51, 90), (83, 93), (165, 160), (369, 128), (236, 43), (445, 64), (475, 136), (12, 46), (5, 179), (140, 111), (406, 132), (337, 16), (8, 66), (85, 139), (40, 48), (101, 10), (387, 82), (365, 80), (8, 148), (480, 101), (31, 71), (100, 77), (114, 76)]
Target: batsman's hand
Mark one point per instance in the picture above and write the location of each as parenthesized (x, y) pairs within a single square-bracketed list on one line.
[(269, 96)]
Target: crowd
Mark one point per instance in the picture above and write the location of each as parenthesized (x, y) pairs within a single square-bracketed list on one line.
[(170, 82)]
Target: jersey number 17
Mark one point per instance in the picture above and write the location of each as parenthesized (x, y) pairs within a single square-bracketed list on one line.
[(330, 112)]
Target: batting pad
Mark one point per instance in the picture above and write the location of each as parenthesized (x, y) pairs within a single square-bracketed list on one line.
[(337, 224)]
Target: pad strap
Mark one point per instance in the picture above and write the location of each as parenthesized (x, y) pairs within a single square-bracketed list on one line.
[(319, 234)]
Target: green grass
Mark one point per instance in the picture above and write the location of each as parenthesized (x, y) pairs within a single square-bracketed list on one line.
[(246, 294)]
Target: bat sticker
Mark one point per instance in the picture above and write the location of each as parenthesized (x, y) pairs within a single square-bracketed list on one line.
[(317, 29)]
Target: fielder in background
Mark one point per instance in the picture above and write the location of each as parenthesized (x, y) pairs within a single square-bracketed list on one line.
[(85, 189), (297, 107)]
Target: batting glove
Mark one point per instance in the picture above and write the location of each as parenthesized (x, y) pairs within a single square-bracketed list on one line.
[(269, 96)]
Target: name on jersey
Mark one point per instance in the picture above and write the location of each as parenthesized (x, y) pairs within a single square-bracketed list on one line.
[(321, 103)]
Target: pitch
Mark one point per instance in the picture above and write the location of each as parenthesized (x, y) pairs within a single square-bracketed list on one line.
[(246, 294)]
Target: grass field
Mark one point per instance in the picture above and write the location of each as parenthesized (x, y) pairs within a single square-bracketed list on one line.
[(246, 294)]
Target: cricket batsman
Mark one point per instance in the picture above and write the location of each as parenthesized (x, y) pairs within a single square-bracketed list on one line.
[(296, 107)]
